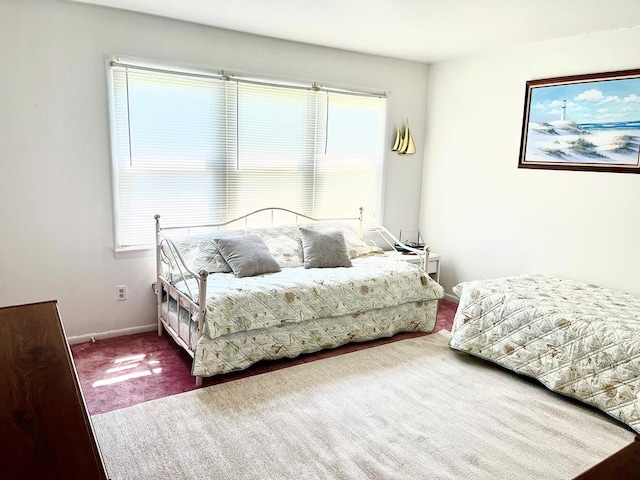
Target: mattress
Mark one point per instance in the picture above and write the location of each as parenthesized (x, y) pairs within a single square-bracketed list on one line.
[(297, 295), (577, 339)]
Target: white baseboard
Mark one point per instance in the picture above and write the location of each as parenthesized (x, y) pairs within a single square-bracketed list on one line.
[(150, 328), (111, 333), (451, 298)]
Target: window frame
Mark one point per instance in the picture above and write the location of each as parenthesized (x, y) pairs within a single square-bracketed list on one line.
[(140, 250)]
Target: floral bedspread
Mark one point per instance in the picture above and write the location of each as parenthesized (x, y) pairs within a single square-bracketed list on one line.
[(577, 339), (239, 350), (297, 295)]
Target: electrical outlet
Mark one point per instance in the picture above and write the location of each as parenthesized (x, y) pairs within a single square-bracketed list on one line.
[(122, 292)]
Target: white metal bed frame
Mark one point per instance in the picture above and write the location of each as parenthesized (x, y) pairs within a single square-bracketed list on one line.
[(185, 300)]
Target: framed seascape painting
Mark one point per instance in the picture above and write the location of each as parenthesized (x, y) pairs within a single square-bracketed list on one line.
[(583, 122)]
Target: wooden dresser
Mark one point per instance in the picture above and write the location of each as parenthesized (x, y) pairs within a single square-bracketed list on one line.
[(622, 465), (45, 430)]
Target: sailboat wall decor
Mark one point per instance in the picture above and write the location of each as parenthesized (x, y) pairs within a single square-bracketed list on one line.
[(404, 144), (397, 142)]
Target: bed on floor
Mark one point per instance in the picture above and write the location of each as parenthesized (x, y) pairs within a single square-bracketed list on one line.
[(577, 339)]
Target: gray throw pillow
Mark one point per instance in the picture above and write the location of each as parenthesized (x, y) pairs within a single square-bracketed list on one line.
[(324, 249), (247, 255)]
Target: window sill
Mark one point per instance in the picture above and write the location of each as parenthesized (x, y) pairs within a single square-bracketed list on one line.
[(134, 252)]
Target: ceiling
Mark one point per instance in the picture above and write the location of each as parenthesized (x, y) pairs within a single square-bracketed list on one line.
[(422, 30)]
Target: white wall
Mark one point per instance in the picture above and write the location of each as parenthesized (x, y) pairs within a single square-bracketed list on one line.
[(487, 217), (55, 185)]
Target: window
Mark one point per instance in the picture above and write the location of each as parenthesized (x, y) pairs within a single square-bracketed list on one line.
[(201, 149)]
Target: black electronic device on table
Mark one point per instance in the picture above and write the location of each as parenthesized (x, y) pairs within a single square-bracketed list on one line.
[(418, 245)]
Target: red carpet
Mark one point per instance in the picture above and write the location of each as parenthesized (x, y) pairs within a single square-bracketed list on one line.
[(122, 371)]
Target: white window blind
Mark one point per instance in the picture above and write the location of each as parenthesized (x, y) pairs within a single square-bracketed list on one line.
[(198, 149)]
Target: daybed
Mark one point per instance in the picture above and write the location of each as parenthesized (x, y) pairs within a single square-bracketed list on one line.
[(228, 314), (577, 339)]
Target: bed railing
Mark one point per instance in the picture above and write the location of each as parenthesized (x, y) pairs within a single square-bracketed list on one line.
[(164, 286), (271, 210), (400, 247)]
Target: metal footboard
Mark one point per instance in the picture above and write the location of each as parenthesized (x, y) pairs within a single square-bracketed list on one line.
[(164, 288)]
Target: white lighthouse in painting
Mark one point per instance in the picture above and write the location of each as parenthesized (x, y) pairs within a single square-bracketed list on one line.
[(564, 110)]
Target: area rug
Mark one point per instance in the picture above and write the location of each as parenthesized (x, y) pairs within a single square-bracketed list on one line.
[(412, 409)]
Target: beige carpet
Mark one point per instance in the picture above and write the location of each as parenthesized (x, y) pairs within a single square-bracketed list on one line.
[(412, 409)]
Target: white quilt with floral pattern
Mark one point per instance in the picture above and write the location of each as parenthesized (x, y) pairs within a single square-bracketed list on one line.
[(577, 339), (297, 295)]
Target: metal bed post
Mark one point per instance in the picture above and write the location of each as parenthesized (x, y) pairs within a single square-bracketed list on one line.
[(159, 285), (202, 303)]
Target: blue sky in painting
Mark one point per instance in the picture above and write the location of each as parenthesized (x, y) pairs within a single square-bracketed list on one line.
[(587, 102)]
